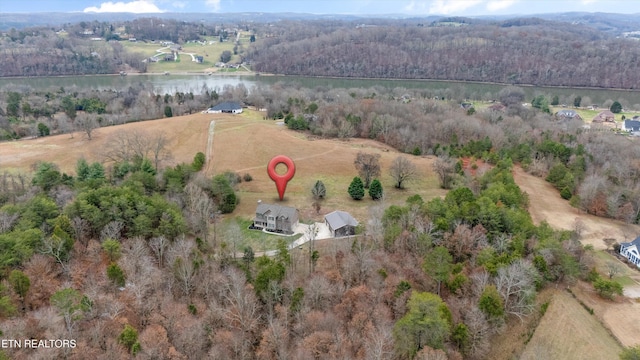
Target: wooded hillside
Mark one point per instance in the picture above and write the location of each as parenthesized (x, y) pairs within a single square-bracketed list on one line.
[(521, 51)]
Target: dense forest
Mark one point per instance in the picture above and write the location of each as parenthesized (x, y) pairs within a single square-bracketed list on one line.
[(519, 51)]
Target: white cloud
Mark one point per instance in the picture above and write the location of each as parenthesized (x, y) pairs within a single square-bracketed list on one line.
[(445, 7), (138, 6), (213, 4), (587, 2), (179, 4), (497, 5)]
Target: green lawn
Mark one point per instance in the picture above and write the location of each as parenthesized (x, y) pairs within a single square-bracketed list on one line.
[(258, 240), (623, 277)]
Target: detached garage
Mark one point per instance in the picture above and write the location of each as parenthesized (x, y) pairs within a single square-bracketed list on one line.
[(341, 223), (225, 107)]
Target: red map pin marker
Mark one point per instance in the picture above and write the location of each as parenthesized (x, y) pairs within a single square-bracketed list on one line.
[(281, 180)]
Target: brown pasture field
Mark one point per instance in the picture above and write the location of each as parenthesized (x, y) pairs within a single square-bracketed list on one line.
[(242, 143), (246, 143), (621, 317)]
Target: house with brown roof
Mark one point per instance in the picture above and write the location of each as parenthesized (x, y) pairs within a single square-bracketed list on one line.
[(605, 116)]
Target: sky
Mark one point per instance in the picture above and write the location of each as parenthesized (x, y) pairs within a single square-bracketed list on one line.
[(353, 7)]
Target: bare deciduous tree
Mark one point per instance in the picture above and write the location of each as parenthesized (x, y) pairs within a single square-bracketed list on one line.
[(113, 230), (516, 284), (444, 167), (613, 269), (200, 209), (183, 257), (136, 144), (159, 247), (87, 123), (368, 166), (402, 171)]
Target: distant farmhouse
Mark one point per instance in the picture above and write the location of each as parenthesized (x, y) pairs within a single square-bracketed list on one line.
[(225, 107), (605, 116), (340, 223), (630, 250), (568, 115), (276, 218)]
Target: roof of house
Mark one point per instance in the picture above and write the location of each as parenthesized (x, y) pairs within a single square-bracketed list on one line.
[(635, 242), (339, 219), (629, 124), (603, 116), (276, 210), (227, 106), (497, 107), (567, 113)]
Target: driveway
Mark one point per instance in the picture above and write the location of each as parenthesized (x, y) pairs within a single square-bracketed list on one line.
[(322, 229)]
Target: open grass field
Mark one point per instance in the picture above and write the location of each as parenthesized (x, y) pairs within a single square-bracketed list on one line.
[(568, 331)]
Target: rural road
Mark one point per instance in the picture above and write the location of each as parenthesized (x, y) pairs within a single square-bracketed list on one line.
[(209, 153)]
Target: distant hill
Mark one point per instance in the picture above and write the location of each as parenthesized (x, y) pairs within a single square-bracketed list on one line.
[(512, 51)]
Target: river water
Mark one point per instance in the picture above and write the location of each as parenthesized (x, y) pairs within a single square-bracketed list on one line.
[(196, 83)]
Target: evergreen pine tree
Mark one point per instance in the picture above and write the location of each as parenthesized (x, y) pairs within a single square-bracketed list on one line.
[(375, 190), (356, 189)]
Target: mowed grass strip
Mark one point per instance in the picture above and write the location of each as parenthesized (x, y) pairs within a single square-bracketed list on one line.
[(568, 331)]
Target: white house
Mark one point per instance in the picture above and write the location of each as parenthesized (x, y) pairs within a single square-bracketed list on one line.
[(631, 250)]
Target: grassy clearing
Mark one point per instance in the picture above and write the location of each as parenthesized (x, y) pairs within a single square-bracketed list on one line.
[(568, 331), (211, 53), (626, 275), (258, 240)]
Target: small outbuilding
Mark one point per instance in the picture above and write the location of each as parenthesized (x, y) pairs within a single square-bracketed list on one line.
[(229, 107), (340, 223)]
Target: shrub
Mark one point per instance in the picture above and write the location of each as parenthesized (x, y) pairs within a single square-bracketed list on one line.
[(247, 177), (116, 275), (129, 338), (198, 161), (375, 189)]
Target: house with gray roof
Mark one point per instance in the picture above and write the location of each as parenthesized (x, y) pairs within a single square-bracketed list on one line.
[(566, 114), (340, 223), (275, 218), (631, 250), (632, 126), (225, 107)]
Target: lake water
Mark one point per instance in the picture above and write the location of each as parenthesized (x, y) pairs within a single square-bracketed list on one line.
[(196, 83)]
